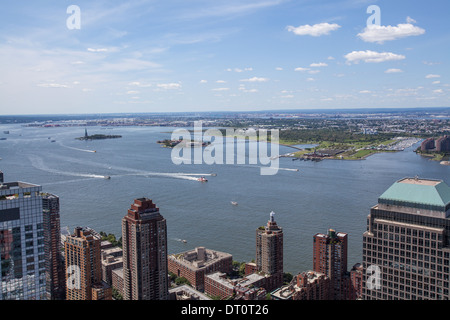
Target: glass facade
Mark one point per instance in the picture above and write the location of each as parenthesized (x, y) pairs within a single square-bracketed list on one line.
[(22, 257)]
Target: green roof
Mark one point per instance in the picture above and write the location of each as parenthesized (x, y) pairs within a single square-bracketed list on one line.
[(414, 191)]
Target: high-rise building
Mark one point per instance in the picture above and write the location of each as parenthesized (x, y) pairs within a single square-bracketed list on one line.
[(330, 258), (406, 248), (269, 252), (22, 259), (443, 144), (144, 243), (54, 261), (83, 266)]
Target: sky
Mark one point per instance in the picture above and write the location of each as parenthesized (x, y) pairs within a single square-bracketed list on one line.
[(72, 57)]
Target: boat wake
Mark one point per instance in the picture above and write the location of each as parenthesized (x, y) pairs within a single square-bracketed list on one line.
[(78, 149), (38, 163)]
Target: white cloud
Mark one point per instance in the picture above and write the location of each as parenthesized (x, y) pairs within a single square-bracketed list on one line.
[(438, 91), (410, 20), (320, 64), (239, 69), (393, 70), (169, 85), (313, 71), (220, 89), (430, 76), (301, 69), (52, 85), (243, 89), (436, 82), (314, 30), (139, 84), (380, 34), (278, 68), (203, 81), (256, 79), (372, 56), (365, 91), (97, 50), (221, 81)]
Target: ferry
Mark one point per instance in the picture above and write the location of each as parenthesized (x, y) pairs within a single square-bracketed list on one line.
[(202, 179)]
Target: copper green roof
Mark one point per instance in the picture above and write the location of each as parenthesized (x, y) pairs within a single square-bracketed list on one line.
[(423, 193)]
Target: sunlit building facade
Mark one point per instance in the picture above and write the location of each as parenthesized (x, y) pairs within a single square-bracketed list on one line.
[(22, 258)]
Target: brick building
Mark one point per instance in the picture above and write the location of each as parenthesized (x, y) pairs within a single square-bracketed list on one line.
[(195, 264)]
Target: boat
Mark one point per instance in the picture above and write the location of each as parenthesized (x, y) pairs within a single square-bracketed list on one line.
[(184, 241), (53, 141), (202, 179), (107, 177), (234, 203)]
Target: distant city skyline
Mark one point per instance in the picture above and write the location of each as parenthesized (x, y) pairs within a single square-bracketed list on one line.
[(183, 56)]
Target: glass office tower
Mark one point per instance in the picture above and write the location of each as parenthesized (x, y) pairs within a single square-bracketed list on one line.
[(22, 258)]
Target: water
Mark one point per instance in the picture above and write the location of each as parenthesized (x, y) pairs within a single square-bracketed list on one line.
[(321, 195)]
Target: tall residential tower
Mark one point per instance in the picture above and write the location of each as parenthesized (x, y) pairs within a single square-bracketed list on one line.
[(330, 258), (84, 268), (144, 239), (269, 252)]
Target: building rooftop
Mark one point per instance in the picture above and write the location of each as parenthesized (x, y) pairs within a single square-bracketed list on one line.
[(434, 194), (199, 257)]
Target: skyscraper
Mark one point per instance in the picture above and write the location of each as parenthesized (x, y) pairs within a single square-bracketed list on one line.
[(54, 261), (144, 239), (330, 258), (22, 261), (83, 267), (269, 252), (406, 248)]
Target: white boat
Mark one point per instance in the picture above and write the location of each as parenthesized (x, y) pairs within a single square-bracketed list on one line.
[(234, 203)]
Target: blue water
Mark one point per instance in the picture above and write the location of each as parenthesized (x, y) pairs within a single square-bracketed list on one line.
[(321, 195)]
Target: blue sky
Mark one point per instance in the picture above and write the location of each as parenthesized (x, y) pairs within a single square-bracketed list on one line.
[(222, 55)]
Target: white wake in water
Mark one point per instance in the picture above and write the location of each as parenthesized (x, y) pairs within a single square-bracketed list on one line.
[(38, 163), (78, 149)]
